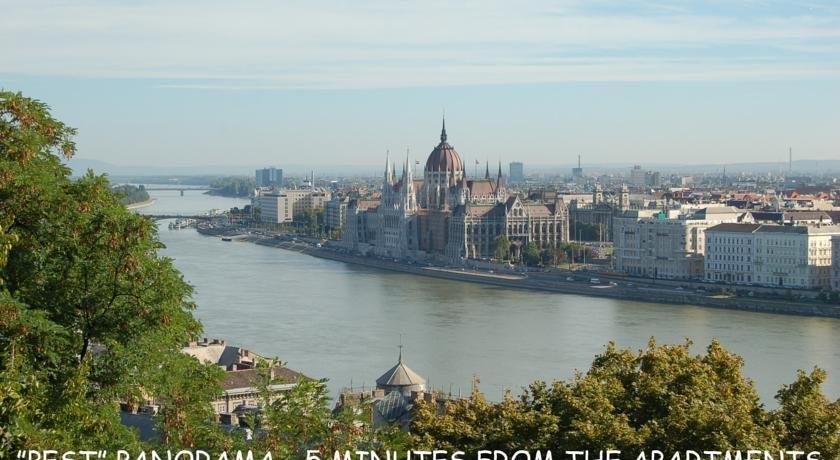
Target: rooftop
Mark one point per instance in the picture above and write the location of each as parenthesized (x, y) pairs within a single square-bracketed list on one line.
[(399, 376)]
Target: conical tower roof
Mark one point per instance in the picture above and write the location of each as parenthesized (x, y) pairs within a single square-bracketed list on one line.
[(400, 376)]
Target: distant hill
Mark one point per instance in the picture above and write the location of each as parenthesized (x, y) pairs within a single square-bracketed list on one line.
[(80, 165)]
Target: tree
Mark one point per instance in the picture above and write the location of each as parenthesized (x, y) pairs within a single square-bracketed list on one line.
[(474, 424), (810, 422), (130, 194), (88, 309), (300, 419), (235, 186), (311, 220), (502, 247), (661, 398), (531, 257)]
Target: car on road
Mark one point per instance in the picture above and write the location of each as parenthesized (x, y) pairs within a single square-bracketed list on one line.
[(569, 278), (613, 283), (594, 281)]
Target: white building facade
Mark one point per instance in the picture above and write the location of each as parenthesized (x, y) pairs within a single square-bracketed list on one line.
[(771, 255), (666, 244), (835, 262), (281, 206)]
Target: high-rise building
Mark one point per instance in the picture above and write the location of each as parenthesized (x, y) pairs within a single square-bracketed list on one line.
[(269, 177), (516, 173), (577, 173), (638, 177)]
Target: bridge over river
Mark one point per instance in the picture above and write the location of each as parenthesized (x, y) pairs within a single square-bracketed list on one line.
[(180, 216), (176, 188)]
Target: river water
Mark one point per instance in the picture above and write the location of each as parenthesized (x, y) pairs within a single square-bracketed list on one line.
[(332, 320)]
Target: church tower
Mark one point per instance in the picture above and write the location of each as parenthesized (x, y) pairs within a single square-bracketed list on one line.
[(624, 199)]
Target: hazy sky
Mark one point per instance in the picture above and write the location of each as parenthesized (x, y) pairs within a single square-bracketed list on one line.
[(176, 83)]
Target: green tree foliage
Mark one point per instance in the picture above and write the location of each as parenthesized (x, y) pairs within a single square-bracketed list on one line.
[(130, 194), (91, 315), (474, 424), (575, 252), (311, 220), (502, 247), (235, 186), (531, 257), (810, 421), (88, 310), (660, 398), (288, 425)]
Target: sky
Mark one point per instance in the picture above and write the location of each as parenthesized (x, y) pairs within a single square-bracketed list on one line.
[(258, 82)]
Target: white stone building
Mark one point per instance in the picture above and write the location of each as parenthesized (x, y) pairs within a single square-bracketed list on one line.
[(835, 262), (666, 244), (447, 214), (281, 206), (771, 255)]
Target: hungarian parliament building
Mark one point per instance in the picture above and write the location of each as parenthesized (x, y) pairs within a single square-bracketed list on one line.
[(447, 214)]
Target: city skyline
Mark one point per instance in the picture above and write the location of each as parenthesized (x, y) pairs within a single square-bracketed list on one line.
[(638, 82)]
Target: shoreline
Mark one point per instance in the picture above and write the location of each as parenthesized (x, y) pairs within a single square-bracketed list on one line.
[(141, 204), (553, 282)]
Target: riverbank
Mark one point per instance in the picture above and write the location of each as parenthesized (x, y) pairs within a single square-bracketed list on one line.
[(141, 204), (221, 193), (558, 282), (580, 285)]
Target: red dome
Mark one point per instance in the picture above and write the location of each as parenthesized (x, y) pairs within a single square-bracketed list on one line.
[(444, 157)]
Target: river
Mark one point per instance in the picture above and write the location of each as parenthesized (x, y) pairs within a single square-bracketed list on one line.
[(341, 322)]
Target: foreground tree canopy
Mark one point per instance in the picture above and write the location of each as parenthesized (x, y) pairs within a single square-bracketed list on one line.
[(661, 398), (91, 315)]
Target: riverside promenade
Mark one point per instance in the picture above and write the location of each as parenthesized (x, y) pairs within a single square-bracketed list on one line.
[(576, 283), (581, 286)]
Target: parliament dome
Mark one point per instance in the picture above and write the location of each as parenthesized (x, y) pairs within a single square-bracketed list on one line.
[(444, 157)]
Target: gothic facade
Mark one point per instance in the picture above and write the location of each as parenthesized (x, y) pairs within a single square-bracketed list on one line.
[(447, 214)]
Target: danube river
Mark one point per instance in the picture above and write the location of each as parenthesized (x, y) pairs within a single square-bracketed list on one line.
[(332, 320)]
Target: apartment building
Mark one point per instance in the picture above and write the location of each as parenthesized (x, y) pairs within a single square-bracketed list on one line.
[(666, 244), (835, 262), (277, 207), (771, 255), (273, 207), (335, 213)]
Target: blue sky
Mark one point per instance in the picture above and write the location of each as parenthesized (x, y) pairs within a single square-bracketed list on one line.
[(318, 83)]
